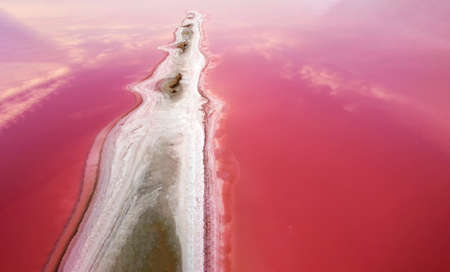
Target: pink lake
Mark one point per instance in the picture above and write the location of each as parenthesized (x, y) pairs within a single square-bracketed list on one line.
[(44, 150), (334, 145)]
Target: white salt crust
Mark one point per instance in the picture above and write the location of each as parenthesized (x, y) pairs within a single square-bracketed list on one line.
[(127, 154)]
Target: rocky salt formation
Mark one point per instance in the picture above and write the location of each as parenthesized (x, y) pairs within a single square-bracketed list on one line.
[(147, 213)]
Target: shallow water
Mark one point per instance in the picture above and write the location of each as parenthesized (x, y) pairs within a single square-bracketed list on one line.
[(334, 147), (44, 149)]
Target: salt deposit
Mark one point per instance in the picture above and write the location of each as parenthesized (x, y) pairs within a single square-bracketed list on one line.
[(148, 207)]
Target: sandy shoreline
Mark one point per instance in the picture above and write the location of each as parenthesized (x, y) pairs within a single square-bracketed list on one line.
[(152, 173)]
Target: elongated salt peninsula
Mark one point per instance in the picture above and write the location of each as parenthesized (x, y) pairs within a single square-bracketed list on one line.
[(147, 213)]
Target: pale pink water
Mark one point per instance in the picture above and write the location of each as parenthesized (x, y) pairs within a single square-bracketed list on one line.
[(334, 146), (44, 151)]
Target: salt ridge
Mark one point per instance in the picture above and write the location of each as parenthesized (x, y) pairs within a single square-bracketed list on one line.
[(127, 155)]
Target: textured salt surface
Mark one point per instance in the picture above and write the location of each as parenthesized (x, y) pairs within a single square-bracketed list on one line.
[(150, 196)]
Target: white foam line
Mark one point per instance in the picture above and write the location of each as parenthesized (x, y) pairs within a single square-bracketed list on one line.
[(128, 153)]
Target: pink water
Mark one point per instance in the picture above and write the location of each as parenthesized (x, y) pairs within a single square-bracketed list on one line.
[(334, 146), (334, 143), (44, 150)]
